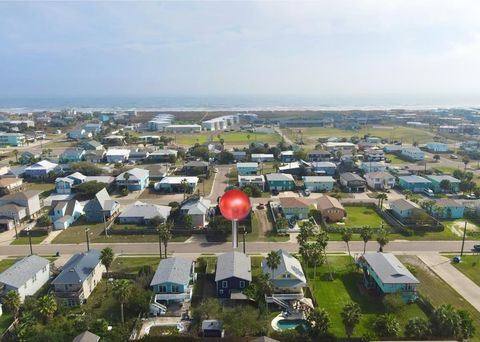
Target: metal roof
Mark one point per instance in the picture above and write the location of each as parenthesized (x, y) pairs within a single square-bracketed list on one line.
[(279, 177), (78, 268), (146, 210), (233, 264), (173, 270), (135, 174), (389, 269), (23, 270), (288, 264)]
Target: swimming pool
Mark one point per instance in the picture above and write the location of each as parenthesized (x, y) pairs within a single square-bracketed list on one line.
[(285, 324)]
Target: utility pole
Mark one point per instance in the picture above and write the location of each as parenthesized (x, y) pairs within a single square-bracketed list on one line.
[(244, 235), (88, 239), (105, 225), (159, 244), (463, 239), (30, 242)]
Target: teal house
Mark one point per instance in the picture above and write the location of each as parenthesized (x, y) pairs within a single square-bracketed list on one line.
[(403, 209), (173, 280), (413, 183), (454, 183), (247, 168), (280, 182), (318, 183), (72, 155), (447, 208), (383, 273), (12, 139)]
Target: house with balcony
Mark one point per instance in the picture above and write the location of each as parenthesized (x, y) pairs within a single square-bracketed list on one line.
[(318, 183), (137, 179), (288, 277), (233, 274), (383, 273), (331, 209), (280, 182), (318, 156), (65, 213), (323, 168), (373, 166), (173, 281), (12, 139), (258, 180), (380, 180), (352, 182), (40, 170), (79, 277), (447, 209), (436, 181), (101, 208), (247, 168), (373, 154), (295, 207), (414, 183)]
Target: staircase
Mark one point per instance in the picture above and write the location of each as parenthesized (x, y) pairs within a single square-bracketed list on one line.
[(281, 303), (158, 308)]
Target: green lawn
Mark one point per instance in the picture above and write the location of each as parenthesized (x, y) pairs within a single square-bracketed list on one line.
[(394, 159), (359, 217), (6, 263), (438, 292), (134, 263), (45, 188), (23, 240), (230, 138), (345, 288), (470, 266)]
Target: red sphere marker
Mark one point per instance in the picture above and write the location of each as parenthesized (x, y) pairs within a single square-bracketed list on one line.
[(234, 205)]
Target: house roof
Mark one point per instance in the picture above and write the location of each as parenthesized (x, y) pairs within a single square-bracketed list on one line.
[(349, 176), (197, 206), (173, 270), (319, 152), (196, 163), (279, 177), (389, 269), (290, 166), (321, 164), (250, 164), (103, 199), (5, 182), (65, 180), (78, 268), (440, 178), (77, 175), (233, 264), (448, 202), (262, 155), (379, 175), (326, 179), (163, 153), (146, 210), (8, 208), (251, 178), (69, 206), (413, 179), (294, 202), (288, 264), (327, 202), (92, 143), (44, 164), (135, 174), (178, 180), (23, 270), (403, 204), (86, 336), (24, 195), (118, 152), (73, 152)]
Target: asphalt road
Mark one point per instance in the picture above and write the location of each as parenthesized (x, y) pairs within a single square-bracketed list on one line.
[(398, 247)]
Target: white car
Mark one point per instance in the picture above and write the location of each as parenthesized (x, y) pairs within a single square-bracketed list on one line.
[(428, 192)]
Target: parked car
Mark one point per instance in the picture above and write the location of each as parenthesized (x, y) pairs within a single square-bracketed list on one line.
[(476, 248), (261, 206), (428, 192), (470, 196), (275, 192), (307, 192)]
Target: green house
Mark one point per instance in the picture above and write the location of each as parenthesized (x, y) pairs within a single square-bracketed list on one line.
[(454, 183), (280, 182)]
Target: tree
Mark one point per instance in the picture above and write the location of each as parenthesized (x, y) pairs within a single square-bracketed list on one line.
[(386, 326), (407, 193), (273, 261), (347, 237), (318, 323), (87, 168), (445, 185), (465, 161), (467, 329), (382, 239), (106, 258), (258, 288), (89, 189), (445, 321), (436, 157), (184, 185), (47, 306), (187, 220), (281, 225), (381, 198), (366, 235), (126, 177), (165, 233), (121, 291), (12, 303), (321, 239), (418, 328), (350, 317), (15, 153)]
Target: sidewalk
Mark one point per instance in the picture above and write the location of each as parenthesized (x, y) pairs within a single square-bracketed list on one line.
[(50, 237), (7, 237), (453, 277)]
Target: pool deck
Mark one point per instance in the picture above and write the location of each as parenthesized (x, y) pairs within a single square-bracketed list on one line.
[(294, 316)]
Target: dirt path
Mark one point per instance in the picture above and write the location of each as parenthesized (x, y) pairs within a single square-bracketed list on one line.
[(264, 224)]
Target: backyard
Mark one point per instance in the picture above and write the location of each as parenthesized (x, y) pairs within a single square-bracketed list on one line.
[(359, 216), (132, 264), (347, 287)]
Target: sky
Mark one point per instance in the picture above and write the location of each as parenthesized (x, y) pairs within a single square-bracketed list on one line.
[(417, 49)]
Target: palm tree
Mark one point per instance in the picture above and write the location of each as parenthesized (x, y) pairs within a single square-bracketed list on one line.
[(346, 237), (321, 240), (106, 258), (121, 290), (273, 261), (12, 303), (47, 306), (165, 233), (156, 222), (350, 317), (465, 161), (366, 236), (382, 239), (381, 198), (436, 157), (126, 177), (318, 323), (15, 153), (184, 184)]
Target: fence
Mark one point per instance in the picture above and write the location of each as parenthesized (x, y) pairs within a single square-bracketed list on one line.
[(35, 232)]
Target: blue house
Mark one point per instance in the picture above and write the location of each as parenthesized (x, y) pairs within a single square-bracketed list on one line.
[(403, 209), (233, 273), (287, 157), (280, 182), (40, 169), (373, 166), (318, 183), (137, 179), (436, 147), (72, 155), (454, 183), (385, 274), (247, 168), (413, 183), (324, 168), (173, 280), (64, 213), (447, 208)]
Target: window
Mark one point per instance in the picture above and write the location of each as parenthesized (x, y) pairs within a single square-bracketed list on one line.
[(162, 288), (224, 284), (175, 288), (242, 284)]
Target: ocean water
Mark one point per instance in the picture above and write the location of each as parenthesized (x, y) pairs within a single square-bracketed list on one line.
[(232, 103)]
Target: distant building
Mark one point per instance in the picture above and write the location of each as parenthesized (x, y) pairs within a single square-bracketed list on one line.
[(117, 155), (287, 156), (324, 168), (183, 129), (262, 157), (247, 168), (372, 166), (412, 153), (258, 180), (352, 182), (436, 147), (435, 183), (12, 139), (414, 183), (72, 155), (380, 180), (178, 184), (319, 155)]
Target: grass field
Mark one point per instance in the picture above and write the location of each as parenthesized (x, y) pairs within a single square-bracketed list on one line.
[(359, 217), (470, 266), (230, 138), (23, 240), (438, 292), (404, 134), (6, 263), (45, 188), (345, 288), (132, 264), (394, 159)]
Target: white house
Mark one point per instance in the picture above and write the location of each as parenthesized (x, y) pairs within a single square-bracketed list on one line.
[(262, 157), (40, 169), (258, 180), (436, 147), (26, 276), (288, 277), (114, 155), (412, 153), (380, 180)]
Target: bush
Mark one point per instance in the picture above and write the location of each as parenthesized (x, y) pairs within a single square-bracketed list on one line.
[(124, 192), (393, 302)]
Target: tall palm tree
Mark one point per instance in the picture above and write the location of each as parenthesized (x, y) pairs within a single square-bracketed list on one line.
[(366, 236), (126, 177), (347, 237), (15, 153), (156, 222), (165, 233), (121, 290), (47, 306), (12, 303), (273, 261), (184, 184), (382, 239), (350, 317), (465, 161), (381, 198), (106, 258)]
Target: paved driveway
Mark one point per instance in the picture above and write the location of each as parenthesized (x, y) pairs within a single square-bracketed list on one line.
[(453, 277)]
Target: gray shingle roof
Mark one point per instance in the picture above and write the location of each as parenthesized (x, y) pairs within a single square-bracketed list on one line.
[(172, 270), (233, 264), (135, 174), (146, 210), (414, 179), (389, 269), (403, 204), (23, 270), (288, 264), (78, 268), (86, 336)]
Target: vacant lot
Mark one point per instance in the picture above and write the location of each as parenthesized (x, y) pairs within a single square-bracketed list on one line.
[(132, 264), (359, 217), (230, 138)]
